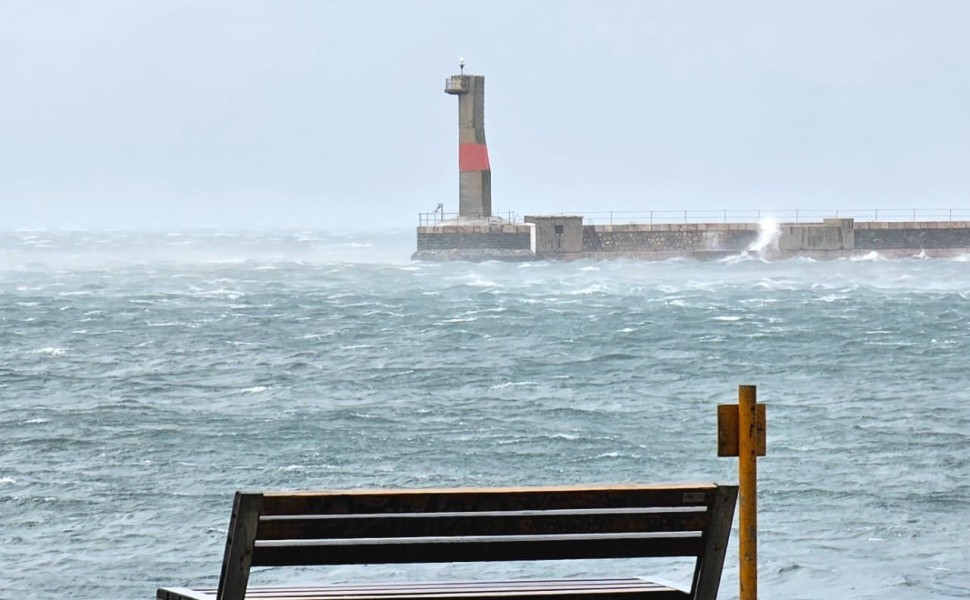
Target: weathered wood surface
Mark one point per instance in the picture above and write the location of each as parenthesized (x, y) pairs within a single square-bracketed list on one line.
[(240, 544), (729, 424), (483, 499), (443, 550), (494, 523), (176, 593), (710, 562), (559, 589)]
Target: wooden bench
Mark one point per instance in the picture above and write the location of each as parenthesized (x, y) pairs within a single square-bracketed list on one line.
[(476, 525)]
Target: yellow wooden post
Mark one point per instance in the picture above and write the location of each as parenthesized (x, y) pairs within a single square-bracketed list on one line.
[(741, 432), (748, 489)]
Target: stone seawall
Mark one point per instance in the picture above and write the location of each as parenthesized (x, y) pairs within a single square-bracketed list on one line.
[(914, 236), (474, 242), (687, 237)]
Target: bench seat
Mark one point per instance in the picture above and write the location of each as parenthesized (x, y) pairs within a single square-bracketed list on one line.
[(548, 589)]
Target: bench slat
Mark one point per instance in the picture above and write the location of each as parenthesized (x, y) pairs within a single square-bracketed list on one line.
[(448, 524), (654, 593), (485, 499), (184, 594), (602, 589), (341, 552), (451, 586)]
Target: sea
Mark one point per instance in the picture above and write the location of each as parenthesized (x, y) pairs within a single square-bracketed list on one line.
[(145, 376)]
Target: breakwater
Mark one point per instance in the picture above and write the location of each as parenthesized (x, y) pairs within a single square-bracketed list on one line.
[(563, 237)]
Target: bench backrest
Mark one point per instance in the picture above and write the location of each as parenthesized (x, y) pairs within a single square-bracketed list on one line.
[(488, 524)]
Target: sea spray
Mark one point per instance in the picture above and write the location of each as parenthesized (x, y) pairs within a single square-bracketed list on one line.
[(768, 234), (766, 244)]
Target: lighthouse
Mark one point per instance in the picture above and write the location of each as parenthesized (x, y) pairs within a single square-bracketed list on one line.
[(474, 173)]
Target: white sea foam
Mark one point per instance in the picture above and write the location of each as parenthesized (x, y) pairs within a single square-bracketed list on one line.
[(228, 294), (512, 384), (51, 351), (596, 288), (476, 281), (315, 336), (734, 259)]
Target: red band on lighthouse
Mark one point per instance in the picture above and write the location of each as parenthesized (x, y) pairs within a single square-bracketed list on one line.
[(472, 157)]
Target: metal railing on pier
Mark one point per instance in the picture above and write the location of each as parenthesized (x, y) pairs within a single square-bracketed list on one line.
[(426, 219), (785, 216), (623, 217)]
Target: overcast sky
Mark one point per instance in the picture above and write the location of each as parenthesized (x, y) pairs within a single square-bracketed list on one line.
[(318, 114)]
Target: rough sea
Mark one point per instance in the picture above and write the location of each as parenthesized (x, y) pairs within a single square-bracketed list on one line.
[(146, 376)]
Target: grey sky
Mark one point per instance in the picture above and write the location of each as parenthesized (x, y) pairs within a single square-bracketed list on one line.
[(319, 114)]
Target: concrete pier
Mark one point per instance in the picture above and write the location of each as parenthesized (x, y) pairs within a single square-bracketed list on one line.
[(557, 237)]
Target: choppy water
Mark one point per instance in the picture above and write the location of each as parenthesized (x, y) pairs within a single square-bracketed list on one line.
[(145, 377)]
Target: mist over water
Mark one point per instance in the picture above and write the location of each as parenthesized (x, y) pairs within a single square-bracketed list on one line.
[(146, 376)]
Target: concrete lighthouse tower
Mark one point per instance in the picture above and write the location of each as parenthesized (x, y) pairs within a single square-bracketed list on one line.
[(474, 173)]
